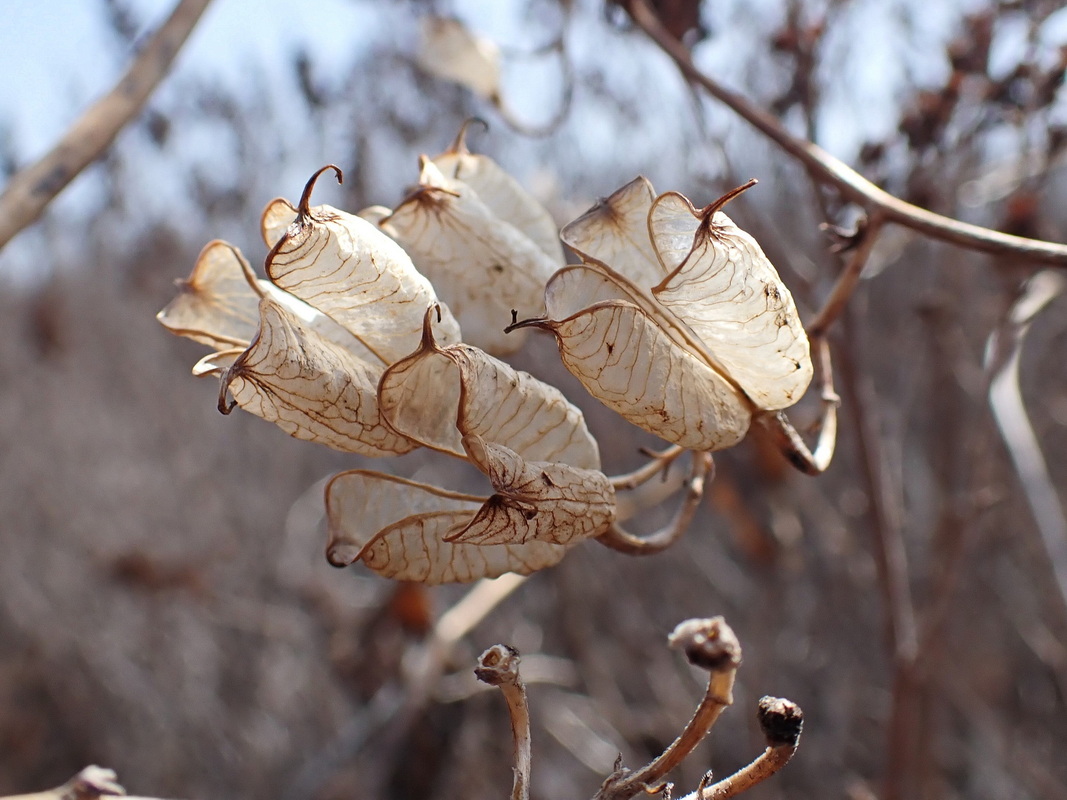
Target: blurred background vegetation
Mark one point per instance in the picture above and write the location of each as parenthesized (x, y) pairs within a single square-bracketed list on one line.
[(165, 607)]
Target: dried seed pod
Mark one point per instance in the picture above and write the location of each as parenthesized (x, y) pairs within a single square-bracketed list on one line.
[(689, 345), (217, 304), (400, 529), (310, 387), (439, 394), (449, 50), (483, 264), (349, 270)]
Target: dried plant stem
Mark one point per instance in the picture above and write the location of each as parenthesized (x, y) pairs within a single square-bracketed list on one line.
[(829, 170), (781, 721), (892, 565), (769, 762), (711, 645), (657, 463), (787, 437), (33, 188), (391, 714), (1004, 351), (90, 784), (702, 472), (499, 666), (848, 280)]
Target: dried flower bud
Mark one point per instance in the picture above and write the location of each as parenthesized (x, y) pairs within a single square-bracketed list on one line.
[(499, 664), (708, 643), (780, 720)]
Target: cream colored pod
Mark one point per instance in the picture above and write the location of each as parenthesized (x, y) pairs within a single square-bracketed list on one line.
[(676, 319), (305, 349), (521, 433), (487, 246)]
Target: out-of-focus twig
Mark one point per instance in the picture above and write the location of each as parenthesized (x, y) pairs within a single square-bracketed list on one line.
[(499, 666), (893, 574), (830, 170), (92, 783), (33, 188), (1003, 351), (711, 645), (392, 712)]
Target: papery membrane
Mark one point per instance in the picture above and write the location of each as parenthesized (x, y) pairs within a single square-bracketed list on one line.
[(215, 305), (349, 270), (399, 529), (439, 394), (726, 291), (614, 233), (536, 501), (310, 387), (625, 360), (483, 265)]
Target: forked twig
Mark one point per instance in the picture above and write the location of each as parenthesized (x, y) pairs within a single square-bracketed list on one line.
[(656, 464), (701, 473), (33, 188), (830, 170), (781, 721), (848, 280), (709, 644), (499, 666)]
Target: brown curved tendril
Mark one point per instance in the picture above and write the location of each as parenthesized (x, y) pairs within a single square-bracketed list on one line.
[(459, 145), (304, 208)]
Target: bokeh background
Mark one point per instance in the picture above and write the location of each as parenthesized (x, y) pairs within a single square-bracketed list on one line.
[(165, 606)]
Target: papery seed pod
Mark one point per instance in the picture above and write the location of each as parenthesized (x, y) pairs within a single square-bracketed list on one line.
[(689, 346)]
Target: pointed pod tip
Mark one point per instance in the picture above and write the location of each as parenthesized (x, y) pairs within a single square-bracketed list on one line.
[(459, 145), (534, 322), (304, 208), (709, 211)]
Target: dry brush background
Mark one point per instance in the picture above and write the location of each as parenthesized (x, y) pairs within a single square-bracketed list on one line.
[(165, 607)]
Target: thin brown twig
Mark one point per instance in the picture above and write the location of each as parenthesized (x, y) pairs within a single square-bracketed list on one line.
[(848, 280), (777, 425), (781, 721), (830, 170), (894, 583), (702, 472), (709, 644), (30, 191), (499, 666), (656, 464)]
